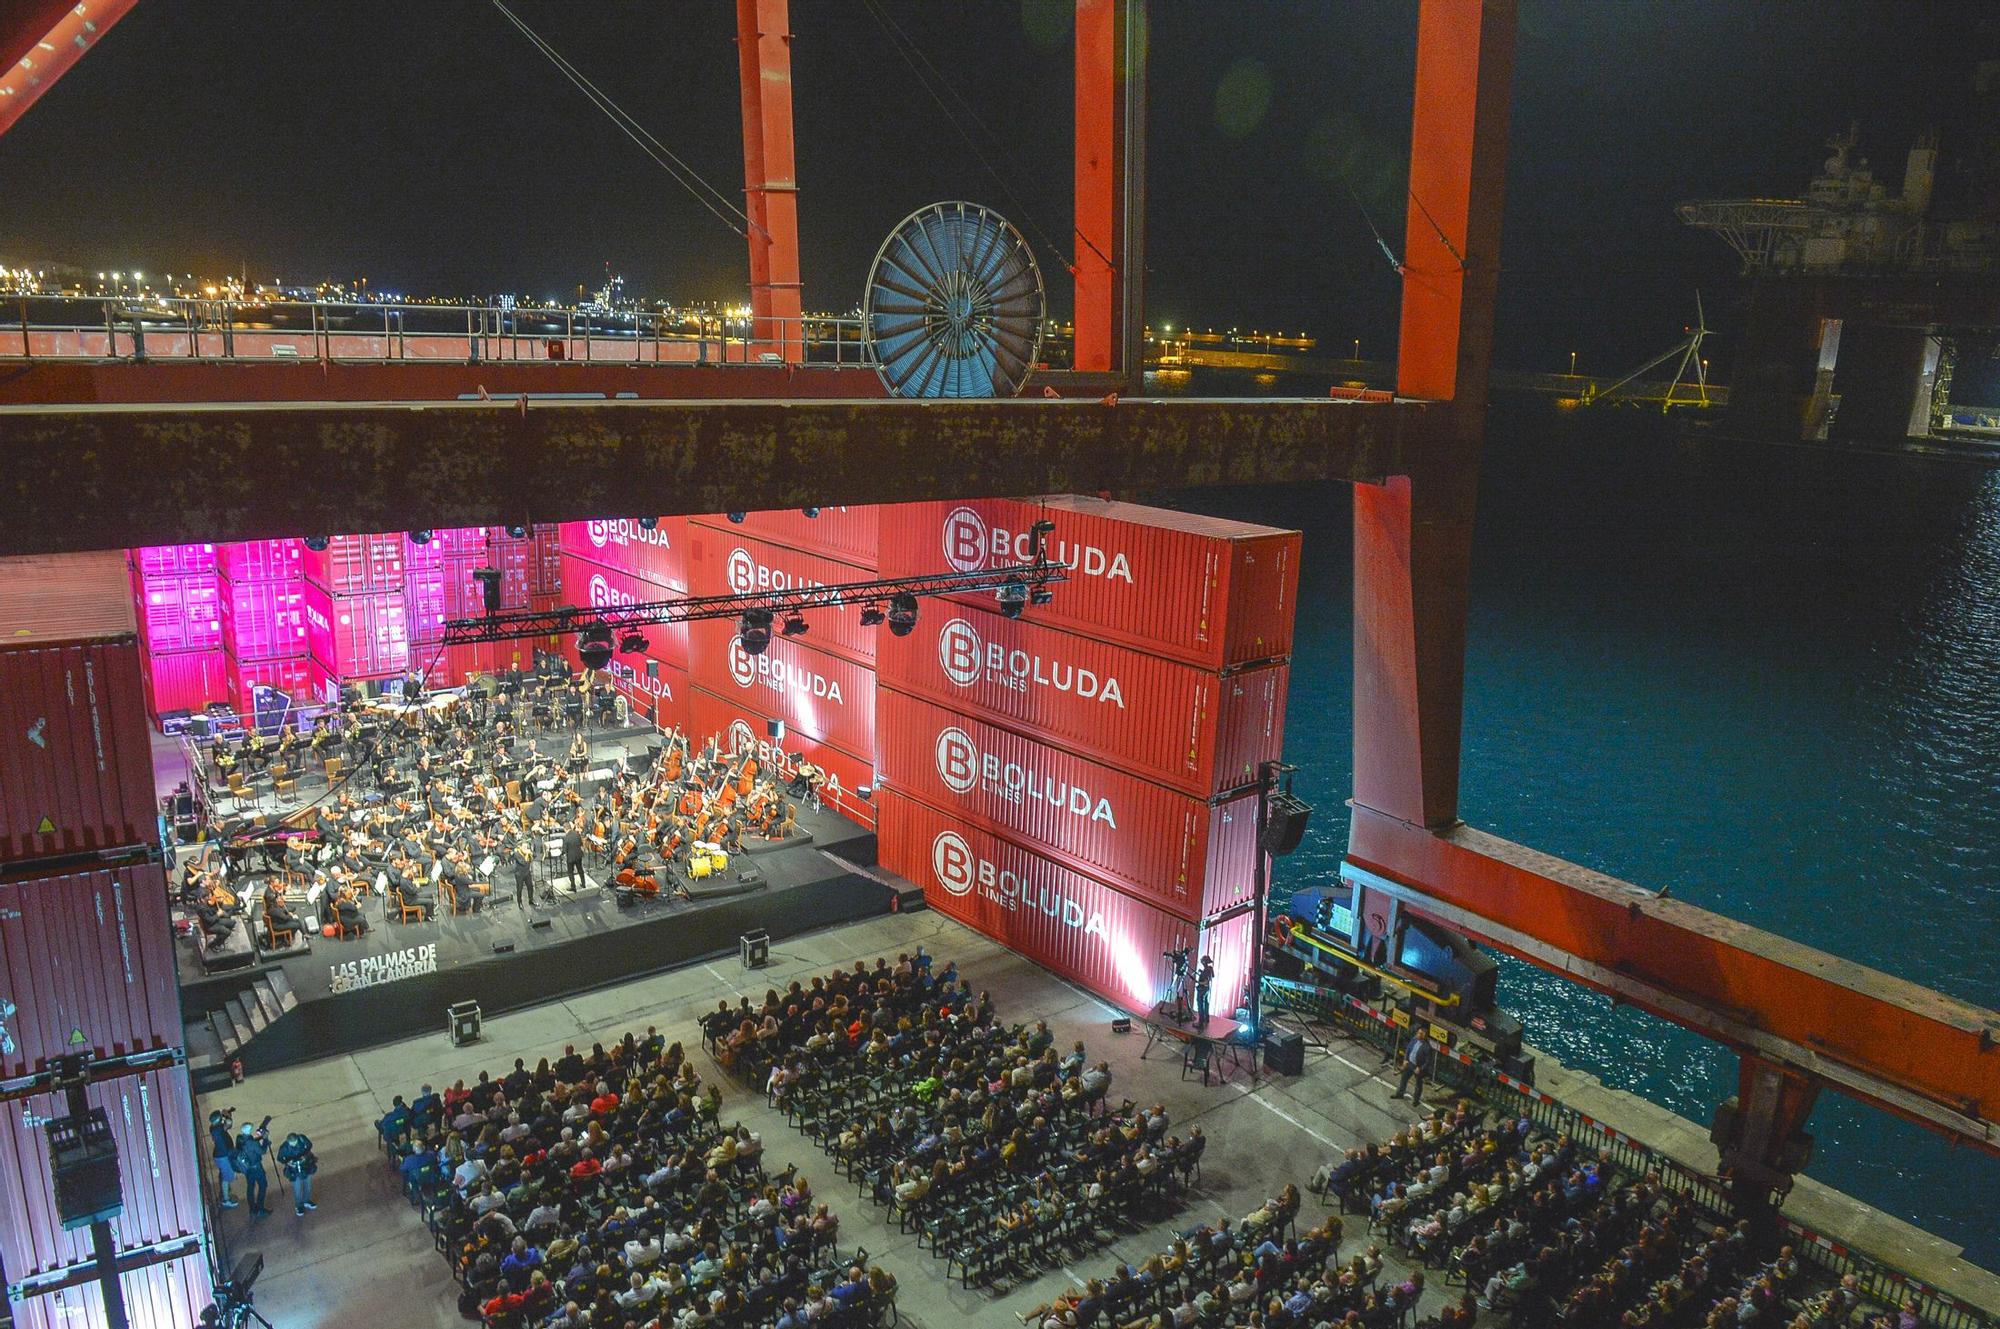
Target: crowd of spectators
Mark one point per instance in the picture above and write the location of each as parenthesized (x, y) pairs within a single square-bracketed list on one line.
[(999, 1148), (604, 1191)]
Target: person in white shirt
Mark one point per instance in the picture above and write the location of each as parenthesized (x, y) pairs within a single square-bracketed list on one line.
[(642, 1253), (543, 1215), (467, 1173)]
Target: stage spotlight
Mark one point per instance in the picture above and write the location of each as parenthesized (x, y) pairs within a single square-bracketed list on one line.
[(1013, 598), (864, 792), (1038, 534), (318, 543), (736, 517), (648, 523), (1041, 595), (593, 646), (517, 532), (631, 642), (754, 630), (902, 613), (871, 616), (795, 624), (810, 512), (420, 537)]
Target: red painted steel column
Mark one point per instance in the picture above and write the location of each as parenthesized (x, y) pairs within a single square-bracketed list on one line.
[(1097, 102), (1413, 535), (770, 183), (42, 42)]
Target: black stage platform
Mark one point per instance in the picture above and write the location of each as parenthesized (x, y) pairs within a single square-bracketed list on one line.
[(399, 978)]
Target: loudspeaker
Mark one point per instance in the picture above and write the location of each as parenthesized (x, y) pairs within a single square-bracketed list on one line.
[(750, 876), (502, 947), (462, 1020), (83, 1158), (1285, 1052), (1518, 1065), (755, 947), (1284, 825), (1121, 1024), (774, 730), (543, 923)]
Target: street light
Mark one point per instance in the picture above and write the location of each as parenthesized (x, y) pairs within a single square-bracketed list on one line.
[(1357, 348), (1572, 364)]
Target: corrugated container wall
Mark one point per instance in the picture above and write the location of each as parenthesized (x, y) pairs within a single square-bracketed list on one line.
[(738, 728), (174, 560), (358, 636), (178, 612), (1194, 730), (264, 620), (241, 678), (261, 560), (185, 681), (593, 586), (353, 564), (851, 535), (546, 578), (722, 562), (1180, 854), (817, 694), (1111, 943), (657, 556), (76, 762), (1210, 592), (442, 591)]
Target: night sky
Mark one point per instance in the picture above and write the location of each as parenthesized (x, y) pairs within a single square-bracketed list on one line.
[(425, 145)]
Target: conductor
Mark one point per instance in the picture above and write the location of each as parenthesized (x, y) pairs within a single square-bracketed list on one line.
[(572, 846)]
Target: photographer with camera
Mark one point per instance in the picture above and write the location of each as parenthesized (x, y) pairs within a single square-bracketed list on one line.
[(296, 1157), (252, 1143), (222, 1143)]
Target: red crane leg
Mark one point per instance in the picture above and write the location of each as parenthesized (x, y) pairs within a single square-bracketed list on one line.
[(770, 182), (1095, 242)]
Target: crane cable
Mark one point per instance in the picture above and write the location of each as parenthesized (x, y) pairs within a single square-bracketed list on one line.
[(932, 78), (664, 157)]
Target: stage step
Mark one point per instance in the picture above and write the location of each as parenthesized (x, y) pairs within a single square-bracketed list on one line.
[(247, 1012), (281, 988), (226, 1032), (266, 998)]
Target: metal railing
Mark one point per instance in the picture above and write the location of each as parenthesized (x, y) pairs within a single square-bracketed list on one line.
[(100, 328), (1478, 1078)]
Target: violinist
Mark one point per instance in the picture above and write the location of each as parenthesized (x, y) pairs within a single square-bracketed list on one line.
[(278, 915)]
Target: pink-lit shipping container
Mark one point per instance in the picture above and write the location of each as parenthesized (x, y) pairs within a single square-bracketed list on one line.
[(848, 534), (151, 1116), (90, 964), (1112, 943), (658, 556), (261, 560), (263, 620), (515, 560), (352, 564), (594, 586), (1194, 730), (722, 562), (76, 764), (168, 1295), (439, 592), (182, 681), (815, 693), (241, 678), (179, 612), (1181, 854), (545, 577), (173, 560), (1211, 592), (357, 636), (445, 542), (740, 728)]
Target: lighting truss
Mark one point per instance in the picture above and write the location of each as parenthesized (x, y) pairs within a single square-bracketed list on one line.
[(511, 625)]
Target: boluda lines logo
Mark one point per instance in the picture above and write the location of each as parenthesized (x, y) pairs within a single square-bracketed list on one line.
[(781, 676), (603, 595), (960, 872), (964, 769), (747, 576), (970, 545), (966, 659), (626, 531)]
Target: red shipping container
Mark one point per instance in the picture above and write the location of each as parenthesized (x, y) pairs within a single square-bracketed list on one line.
[(721, 562), (515, 560), (261, 560), (178, 613), (263, 620), (739, 728), (658, 556), (90, 961), (182, 681), (545, 577), (241, 677), (357, 636), (351, 564), (442, 591), (848, 534), (1191, 729), (1180, 854), (1110, 942), (168, 1295), (151, 1116), (1213, 593), (445, 542), (173, 560), (817, 694), (657, 691), (593, 586), (76, 759)]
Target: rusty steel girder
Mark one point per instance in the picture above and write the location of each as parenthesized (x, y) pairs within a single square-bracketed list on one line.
[(75, 478)]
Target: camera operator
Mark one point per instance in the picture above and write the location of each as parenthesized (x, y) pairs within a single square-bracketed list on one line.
[(252, 1143), (296, 1157)]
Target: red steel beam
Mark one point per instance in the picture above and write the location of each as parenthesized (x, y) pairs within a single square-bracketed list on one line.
[(770, 180), (1108, 239), (41, 40)]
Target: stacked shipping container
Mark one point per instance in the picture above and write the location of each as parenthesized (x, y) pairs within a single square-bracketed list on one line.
[(87, 954), (605, 564), (1079, 782), (264, 620), (175, 597)]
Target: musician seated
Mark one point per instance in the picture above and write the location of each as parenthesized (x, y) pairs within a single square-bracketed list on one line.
[(458, 880), (343, 910), (788, 827), (278, 915)]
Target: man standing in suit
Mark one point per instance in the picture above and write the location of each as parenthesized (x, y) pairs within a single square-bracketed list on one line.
[(573, 857)]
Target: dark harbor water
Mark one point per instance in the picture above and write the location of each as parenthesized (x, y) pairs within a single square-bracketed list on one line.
[(1768, 678)]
